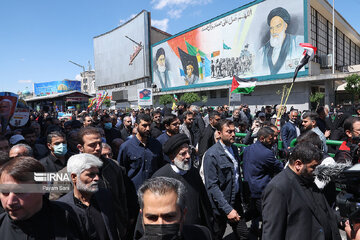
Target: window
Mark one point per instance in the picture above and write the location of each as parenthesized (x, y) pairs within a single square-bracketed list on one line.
[(203, 93), (313, 39), (321, 35), (352, 53), (224, 93), (347, 51), (330, 38), (213, 94), (339, 48)]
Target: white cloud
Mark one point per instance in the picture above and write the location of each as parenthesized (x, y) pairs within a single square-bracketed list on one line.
[(122, 21), (175, 13), (78, 77), (161, 24), (25, 81), (160, 4), (175, 8)]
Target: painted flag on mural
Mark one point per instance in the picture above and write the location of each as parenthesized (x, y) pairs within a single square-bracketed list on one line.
[(203, 62), (226, 47), (215, 54), (182, 73), (187, 59), (241, 85)]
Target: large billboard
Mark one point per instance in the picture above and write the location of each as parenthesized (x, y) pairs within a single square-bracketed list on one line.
[(122, 54), (48, 88), (258, 40)]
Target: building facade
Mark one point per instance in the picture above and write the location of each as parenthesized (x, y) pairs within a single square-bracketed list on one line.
[(244, 42), (122, 59), (88, 82)]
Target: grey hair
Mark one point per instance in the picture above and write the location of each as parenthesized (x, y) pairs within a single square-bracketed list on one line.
[(195, 108), (126, 117), (28, 150), (105, 145), (161, 186), (80, 162)]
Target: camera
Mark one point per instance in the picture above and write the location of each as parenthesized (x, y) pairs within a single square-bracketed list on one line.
[(348, 200)]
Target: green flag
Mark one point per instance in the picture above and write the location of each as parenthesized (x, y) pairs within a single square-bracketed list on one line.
[(226, 47)]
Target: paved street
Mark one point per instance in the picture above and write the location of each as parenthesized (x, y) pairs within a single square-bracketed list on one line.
[(230, 236)]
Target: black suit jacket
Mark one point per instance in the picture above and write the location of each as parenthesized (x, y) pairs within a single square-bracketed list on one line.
[(104, 200), (288, 213), (207, 140)]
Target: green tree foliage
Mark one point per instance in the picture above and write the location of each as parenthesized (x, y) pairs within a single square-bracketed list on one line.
[(107, 103), (166, 99), (190, 98), (353, 84), (204, 99), (316, 98)]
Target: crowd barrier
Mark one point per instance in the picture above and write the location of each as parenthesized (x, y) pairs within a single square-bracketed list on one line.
[(292, 144)]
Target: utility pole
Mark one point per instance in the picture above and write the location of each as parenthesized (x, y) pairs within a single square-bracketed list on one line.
[(83, 74)]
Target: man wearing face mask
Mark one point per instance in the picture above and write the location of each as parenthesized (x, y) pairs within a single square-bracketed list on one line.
[(163, 208), (260, 166), (110, 132), (299, 207), (198, 204), (57, 159)]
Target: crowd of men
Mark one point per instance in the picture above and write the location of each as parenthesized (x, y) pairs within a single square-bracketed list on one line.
[(177, 174)]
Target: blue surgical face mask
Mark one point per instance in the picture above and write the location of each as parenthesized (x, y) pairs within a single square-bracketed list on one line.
[(60, 149), (108, 125)]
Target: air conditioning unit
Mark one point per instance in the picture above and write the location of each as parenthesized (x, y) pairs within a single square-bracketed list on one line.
[(329, 60), (323, 61)]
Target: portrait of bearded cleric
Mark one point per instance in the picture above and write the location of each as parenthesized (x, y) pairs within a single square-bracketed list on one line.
[(281, 52)]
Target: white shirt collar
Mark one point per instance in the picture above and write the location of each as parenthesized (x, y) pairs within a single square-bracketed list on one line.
[(177, 170)]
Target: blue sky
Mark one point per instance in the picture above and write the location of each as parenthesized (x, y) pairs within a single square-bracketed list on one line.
[(39, 37)]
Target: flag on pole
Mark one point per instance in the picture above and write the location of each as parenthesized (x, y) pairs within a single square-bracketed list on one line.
[(241, 85), (307, 56), (176, 98)]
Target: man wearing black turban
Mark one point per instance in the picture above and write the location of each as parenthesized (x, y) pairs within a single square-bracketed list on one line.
[(282, 51), (198, 205)]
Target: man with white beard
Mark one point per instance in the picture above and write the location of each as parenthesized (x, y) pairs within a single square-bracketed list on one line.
[(162, 76), (92, 205), (198, 205), (282, 52)]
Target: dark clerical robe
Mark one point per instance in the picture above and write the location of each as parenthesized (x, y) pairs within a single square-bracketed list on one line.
[(199, 209)]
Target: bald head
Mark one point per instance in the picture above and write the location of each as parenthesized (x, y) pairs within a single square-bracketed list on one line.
[(21, 150), (127, 121)]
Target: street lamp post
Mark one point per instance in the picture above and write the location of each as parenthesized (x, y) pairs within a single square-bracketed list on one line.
[(82, 68)]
